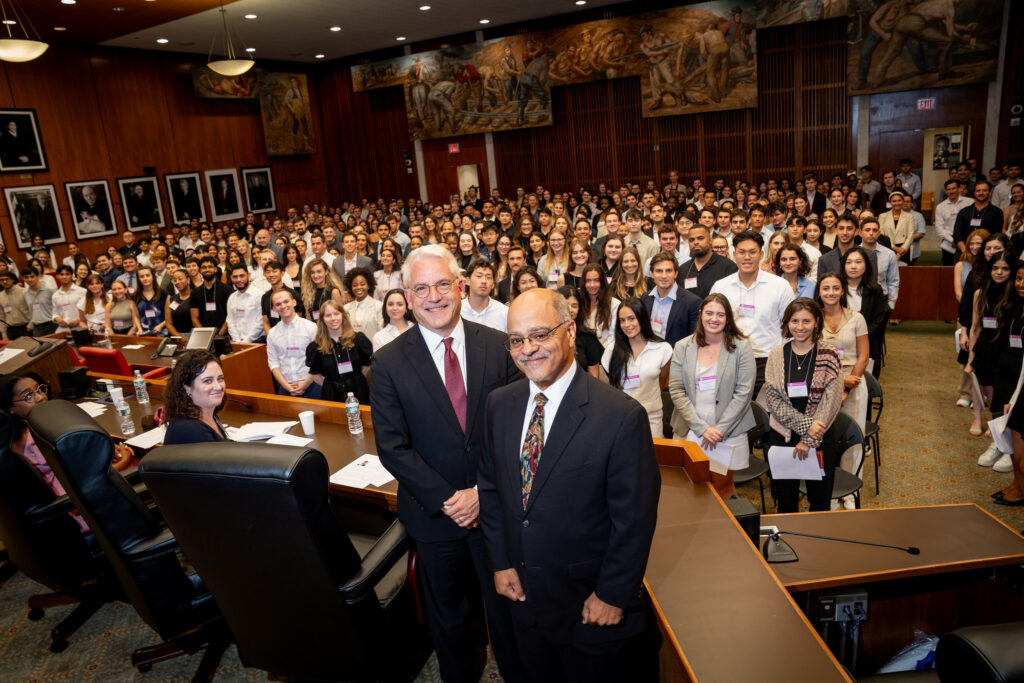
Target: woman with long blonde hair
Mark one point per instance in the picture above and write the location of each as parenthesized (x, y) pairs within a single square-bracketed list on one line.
[(339, 357), (319, 284)]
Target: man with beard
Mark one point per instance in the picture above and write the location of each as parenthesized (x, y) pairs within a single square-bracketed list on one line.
[(209, 302)]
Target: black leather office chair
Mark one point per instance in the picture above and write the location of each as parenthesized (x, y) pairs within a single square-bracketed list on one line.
[(847, 434), (44, 542), (303, 598), (141, 550)]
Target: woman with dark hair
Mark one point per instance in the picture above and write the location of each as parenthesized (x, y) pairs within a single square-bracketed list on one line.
[(865, 295), (579, 257), (389, 275), (364, 312), (711, 381), (92, 310), (122, 317), (803, 394), (526, 278), (150, 301), (611, 252), (638, 361), (588, 348), (1005, 393), (792, 265), (629, 281), (827, 237), (339, 357), (536, 248), (397, 318), (600, 308), (194, 395), (468, 251), (178, 306), (292, 263)]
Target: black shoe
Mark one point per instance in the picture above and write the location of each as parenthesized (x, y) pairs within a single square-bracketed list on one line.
[(1009, 503), (998, 495)]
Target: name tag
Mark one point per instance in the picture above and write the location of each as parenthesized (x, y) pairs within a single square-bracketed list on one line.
[(150, 313), (292, 348), (35, 304), (975, 222), (630, 381), (706, 383), (747, 310), (211, 305), (796, 389), (239, 310), (274, 314), (316, 315), (174, 305), (1015, 341), (989, 323), (345, 367), (553, 276), (657, 326), (8, 309), (690, 283), (841, 351)]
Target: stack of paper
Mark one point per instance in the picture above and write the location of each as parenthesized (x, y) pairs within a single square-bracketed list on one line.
[(785, 465), (94, 409), (290, 440), (258, 431), (362, 472), (131, 347), (148, 439), (8, 353)]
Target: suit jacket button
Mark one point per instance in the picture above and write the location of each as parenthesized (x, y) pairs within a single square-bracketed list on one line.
[(526, 523), (523, 565), (467, 449)]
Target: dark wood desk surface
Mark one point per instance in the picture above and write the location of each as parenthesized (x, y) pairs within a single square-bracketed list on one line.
[(47, 364), (728, 617), (951, 538)]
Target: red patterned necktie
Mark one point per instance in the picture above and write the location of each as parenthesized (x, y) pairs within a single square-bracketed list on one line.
[(529, 457), (453, 382)]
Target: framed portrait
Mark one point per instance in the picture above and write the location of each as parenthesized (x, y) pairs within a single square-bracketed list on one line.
[(33, 210), (21, 145), (92, 211), (259, 189), (140, 200), (224, 194), (185, 195)]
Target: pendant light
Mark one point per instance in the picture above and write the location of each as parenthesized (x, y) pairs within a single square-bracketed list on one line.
[(14, 49), (232, 64)]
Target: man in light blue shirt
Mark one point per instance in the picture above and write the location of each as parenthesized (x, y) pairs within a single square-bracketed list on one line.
[(888, 264)]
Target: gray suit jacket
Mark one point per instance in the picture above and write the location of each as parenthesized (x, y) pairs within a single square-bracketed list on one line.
[(361, 262), (734, 388)]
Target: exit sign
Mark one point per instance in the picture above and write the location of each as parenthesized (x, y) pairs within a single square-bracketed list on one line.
[(926, 104), (453, 148)]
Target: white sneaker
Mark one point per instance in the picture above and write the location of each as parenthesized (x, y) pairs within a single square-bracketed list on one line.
[(989, 457), (1004, 464), (835, 504), (963, 403), (849, 503)]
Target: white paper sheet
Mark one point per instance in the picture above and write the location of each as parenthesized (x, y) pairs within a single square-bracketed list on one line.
[(785, 465), (956, 338), (362, 472), (94, 409), (7, 353), (132, 347), (1000, 434), (719, 457), (258, 431), (148, 439), (290, 440)]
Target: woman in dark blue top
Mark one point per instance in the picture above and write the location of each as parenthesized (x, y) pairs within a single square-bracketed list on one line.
[(150, 301), (195, 394)]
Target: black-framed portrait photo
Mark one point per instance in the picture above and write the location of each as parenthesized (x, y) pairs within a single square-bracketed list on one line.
[(259, 189), (92, 212), (33, 210), (224, 194), (185, 195), (140, 201), (21, 145)]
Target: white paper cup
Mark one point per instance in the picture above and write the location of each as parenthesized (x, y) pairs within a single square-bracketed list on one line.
[(306, 419), (117, 394)]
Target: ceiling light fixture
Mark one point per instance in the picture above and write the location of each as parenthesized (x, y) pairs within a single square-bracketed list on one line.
[(250, 49), (250, 16), (68, 2), (59, 28), (19, 49), (399, 37), (335, 28), (485, 21), (581, 2), (162, 41), (231, 65), (319, 56), (424, 8)]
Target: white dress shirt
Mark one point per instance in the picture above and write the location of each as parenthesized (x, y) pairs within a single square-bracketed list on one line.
[(387, 335), (245, 315), (494, 315), (327, 258), (945, 219), (554, 395), (758, 310), (367, 316), (435, 344), (65, 304), (286, 347)]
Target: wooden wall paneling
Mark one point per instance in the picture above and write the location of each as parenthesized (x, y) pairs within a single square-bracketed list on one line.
[(680, 145)]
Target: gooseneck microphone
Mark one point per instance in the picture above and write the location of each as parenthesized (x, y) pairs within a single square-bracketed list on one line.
[(42, 345), (777, 550)]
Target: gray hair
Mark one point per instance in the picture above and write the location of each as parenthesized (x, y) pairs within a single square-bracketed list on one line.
[(429, 251), (561, 305)]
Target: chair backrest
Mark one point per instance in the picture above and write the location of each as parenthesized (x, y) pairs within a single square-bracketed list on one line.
[(875, 399), (51, 551), (756, 434), (274, 557), (79, 451), (106, 361), (847, 434)]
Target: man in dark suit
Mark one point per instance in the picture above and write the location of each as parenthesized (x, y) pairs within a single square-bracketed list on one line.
[(815, 200), (673, 310), (569, 487), (185, 200), (349, 259), (224, 199), (428, 395)]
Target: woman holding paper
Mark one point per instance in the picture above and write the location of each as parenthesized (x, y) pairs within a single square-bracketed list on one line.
[(803, 394), (711, 381), (195, 394)]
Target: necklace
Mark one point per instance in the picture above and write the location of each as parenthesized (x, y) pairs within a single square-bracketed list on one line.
[(801, 359)]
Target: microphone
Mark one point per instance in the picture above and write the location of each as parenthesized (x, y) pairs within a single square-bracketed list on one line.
[(248, 406), (42, 345), (776, 550)]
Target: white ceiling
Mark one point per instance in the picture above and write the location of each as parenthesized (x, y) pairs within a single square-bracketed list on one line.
[(297, 30)]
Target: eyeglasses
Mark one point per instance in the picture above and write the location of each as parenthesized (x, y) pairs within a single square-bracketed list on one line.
[(514, 343), (30, 395), (442, 287)]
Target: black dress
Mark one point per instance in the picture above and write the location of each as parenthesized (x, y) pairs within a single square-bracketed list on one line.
[(1011, 357), (588, 348), (181, 315), (987, 345), (343, 369)]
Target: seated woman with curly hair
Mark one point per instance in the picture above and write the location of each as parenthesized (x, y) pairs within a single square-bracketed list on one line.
[(195, 394)]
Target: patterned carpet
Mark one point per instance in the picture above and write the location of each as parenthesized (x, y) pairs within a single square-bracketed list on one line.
[(927, 457)]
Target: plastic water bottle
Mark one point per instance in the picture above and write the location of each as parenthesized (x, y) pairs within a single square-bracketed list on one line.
[(141, 393), (355, 422), (124, 418)]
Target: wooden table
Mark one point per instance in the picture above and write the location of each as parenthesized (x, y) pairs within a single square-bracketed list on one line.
[(47, 364)]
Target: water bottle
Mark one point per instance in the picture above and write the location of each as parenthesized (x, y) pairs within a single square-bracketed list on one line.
[(141, 394), (124, 418), (355, 422)]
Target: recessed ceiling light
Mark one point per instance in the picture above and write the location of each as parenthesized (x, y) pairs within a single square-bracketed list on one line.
[(424, 8), (319, 56), (68, 2), (250, 49), (335, 28), (162, 40), (10, 22), (581, 2), (485, 21), (59, 28), (399, 37), (250, 16)]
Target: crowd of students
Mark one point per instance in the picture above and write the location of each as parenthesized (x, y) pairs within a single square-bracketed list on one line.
[(664, 284)]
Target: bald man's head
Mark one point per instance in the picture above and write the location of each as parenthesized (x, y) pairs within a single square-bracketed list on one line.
[(542, 335)]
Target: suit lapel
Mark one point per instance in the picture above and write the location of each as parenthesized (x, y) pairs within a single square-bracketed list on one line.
[(512, 442), (567, 421), (476, 370), (421, 360)]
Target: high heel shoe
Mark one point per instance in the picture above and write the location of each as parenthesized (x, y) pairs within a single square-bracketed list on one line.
[(998, 495), (1009, 503)]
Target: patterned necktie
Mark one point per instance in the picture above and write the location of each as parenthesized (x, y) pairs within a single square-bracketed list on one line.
[(453, 382), (529, 457)]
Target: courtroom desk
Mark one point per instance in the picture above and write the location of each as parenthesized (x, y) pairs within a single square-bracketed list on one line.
[(245, 368), (954, 582), (724, 615), (48, 364), (926, 293)]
